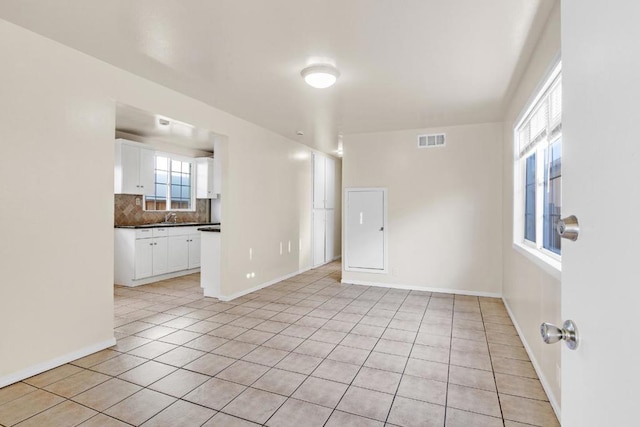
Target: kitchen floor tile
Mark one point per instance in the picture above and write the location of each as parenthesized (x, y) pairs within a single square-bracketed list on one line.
[(322, 392), (279, 381), (415, 413), (255, 405), (366, 403), (27, 406), (106, 394), (215, 393), (139, 407), (181, 413), (296, 413)]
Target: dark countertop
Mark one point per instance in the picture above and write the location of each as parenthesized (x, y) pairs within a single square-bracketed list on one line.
[(164, 225), (214, 229)]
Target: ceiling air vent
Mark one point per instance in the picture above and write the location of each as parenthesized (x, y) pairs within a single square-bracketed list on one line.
[(430, 141)]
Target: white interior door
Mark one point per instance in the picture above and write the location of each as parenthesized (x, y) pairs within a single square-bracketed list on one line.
[(319, 177), (601, 186), (365, 229), (328, 235), (318, 236)]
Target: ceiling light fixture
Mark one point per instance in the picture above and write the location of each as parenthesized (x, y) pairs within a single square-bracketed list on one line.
[(320, 76)]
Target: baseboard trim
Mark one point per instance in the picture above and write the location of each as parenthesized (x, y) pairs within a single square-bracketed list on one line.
[(534, 362), (421, 288), (231, 297), (153, 279), (54, 363)]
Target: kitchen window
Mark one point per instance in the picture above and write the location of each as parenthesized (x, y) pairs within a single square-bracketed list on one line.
[(538, 173), (173, 182)]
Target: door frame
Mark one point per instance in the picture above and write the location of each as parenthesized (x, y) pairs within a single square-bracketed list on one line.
[(345, 214)]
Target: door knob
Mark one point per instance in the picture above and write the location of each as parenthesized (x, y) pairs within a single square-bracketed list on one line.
[(551, 334), (568, 228)]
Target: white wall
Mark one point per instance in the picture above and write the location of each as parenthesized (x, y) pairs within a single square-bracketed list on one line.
[(444, 206), (531, 293), (57, 129)]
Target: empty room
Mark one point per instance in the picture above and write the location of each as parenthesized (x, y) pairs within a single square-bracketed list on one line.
[(319, 213)]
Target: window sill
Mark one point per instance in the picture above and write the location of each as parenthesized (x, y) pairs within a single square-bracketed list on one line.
[(546, 263)]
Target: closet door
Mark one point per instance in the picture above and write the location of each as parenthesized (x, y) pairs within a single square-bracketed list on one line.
[(318, 237), (319, 177)]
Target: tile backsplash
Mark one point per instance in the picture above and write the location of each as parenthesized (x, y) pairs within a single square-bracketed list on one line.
[(127, 212)]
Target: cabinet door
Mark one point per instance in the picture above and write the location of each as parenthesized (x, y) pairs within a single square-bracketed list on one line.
[(204, 178), (143, 258), (329, 183), (147, 171), (194, 251), (177, 253), (318, 236), (130, 163), (318, 181), (328, 239), (160, 256)]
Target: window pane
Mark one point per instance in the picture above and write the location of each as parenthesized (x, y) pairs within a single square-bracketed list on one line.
[(161, 191), (552, 196), (176, 166), (186, 193), (162, 163), (161, 177), (175, 191), (530, 199)]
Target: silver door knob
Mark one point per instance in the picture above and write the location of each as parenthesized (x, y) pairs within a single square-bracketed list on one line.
[(551, 334), (568, 228)]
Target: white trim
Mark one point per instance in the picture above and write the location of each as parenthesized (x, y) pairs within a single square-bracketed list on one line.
[(545, 262), (421, 288), (345, 212), (231, 297), (54, 363), (534, 362), (152, 279)]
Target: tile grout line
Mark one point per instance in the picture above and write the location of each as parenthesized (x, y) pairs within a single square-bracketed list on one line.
[(408, 356)]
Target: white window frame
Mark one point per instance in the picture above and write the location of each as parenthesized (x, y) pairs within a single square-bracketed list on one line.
[(544, 258), (192, 184)]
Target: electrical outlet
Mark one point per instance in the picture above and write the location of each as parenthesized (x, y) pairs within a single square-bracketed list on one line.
[(138, 201)]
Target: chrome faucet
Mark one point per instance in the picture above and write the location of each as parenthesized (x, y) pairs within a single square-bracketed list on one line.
[(169, 216)]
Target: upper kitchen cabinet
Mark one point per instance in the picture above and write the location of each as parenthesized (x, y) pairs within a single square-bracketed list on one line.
[(134, 168), (205, 178), (323, 182)]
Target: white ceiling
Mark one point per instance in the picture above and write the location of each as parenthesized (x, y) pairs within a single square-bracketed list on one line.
[(403, 64), (142, 123)]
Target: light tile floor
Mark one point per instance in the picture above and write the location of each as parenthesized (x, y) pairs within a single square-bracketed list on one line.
[(307, 351)]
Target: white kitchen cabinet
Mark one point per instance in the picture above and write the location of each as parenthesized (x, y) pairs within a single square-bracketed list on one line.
[(134, 168), (194, 250), (184, 248), (144, 255), (143, 264), (178, 253), (150, 257), (205, 180)]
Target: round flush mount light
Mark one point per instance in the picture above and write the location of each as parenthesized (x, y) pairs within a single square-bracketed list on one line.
[(320, 76)]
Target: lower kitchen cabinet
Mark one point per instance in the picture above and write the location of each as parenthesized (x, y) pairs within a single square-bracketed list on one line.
[(146, 255), (150, 257)]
